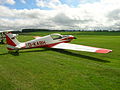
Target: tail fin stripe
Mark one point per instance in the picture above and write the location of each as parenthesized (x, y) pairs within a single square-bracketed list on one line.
[(9, 41)]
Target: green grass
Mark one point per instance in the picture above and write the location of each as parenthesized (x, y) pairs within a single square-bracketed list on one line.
[(52, 69)]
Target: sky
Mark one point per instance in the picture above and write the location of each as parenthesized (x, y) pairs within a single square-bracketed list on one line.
[(60, 14)]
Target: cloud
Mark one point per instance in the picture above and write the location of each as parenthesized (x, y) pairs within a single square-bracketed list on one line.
[(34, 18), (23, 1), (98, 15), (11, 2), (48, 3), (114, 15), (52, 4)]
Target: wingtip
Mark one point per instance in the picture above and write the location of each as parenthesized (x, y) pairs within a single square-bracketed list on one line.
[(103, 51)]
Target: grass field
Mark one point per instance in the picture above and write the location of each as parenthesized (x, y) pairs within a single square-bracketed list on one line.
[(52, 69)]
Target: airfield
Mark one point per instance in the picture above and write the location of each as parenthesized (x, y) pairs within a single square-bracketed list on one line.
[(55, 69)]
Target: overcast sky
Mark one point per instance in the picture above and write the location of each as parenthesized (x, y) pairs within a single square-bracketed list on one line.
[(60, 14)]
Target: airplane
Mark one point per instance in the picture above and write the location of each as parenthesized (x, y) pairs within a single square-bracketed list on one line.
[(55, 40), (2, 35)]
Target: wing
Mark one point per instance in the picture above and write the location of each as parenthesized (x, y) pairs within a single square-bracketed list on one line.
[(81, 48), (6, 31)]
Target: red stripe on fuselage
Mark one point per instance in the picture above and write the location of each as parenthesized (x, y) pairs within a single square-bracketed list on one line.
[(40, 46)]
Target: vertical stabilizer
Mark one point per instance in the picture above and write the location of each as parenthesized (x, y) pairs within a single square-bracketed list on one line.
[(11, 41)]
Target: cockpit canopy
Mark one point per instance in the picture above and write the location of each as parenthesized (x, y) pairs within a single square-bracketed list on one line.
[(56, 36)]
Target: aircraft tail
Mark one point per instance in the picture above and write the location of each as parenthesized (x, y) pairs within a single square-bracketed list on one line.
[(11, 40)]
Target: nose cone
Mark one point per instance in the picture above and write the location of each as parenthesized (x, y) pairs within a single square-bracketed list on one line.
[(72, 37)]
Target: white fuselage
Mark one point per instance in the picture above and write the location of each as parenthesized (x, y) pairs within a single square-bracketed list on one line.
[(46, 41)]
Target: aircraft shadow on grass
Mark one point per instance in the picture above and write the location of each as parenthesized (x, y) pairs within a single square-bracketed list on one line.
[(60, 51), (80, 55), (18, 53), (12, 53)]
